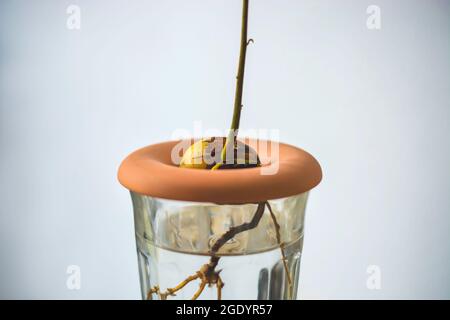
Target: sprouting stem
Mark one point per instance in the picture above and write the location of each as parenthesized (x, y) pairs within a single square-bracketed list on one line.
[(232, 135)]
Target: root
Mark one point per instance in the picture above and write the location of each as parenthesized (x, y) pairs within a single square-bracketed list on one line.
[(207, 273), (281, 244), (152, 291), (220, 285), (233, 231), (171, 291), (199, 291)]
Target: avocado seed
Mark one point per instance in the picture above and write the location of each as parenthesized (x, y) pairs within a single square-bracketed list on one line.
[(206, 153)]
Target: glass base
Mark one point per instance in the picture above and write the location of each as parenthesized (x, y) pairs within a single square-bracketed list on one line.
[(174, 240)]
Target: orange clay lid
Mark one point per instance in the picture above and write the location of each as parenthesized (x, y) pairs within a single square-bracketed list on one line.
[(285, 171)]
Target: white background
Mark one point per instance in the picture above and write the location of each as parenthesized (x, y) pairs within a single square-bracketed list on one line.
[(373, 106)]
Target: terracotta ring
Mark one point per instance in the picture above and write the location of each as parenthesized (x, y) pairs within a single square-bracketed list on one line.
[(286, 171)]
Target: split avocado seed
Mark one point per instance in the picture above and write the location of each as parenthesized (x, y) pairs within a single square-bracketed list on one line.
[(207, 152)]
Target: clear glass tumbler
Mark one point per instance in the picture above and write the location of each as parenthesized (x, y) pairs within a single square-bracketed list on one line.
[(174, 240)]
